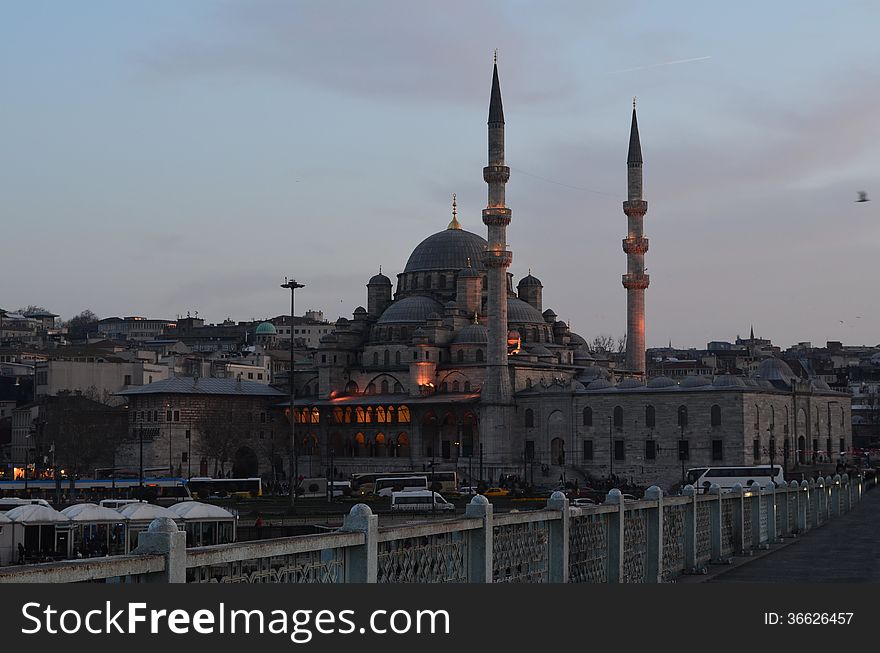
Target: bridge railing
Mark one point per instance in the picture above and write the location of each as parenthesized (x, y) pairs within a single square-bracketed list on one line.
[(655, 539)]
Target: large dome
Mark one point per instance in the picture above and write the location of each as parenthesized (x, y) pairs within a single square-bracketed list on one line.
[(449, 249), (410, 309)]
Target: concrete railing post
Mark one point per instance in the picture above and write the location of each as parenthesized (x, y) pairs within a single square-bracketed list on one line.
[(480, 541), (846, 487), (716, 514), (737, 512), (803, 503), (654, 563), (362, 561), (163, 537), (836, 496), (559, 542), (784, 510), (690, 529), (818, 494), (615, 536), (772, 535), (758, 507), (829, 488)]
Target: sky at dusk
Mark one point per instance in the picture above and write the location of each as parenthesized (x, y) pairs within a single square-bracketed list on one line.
[(160, 157)]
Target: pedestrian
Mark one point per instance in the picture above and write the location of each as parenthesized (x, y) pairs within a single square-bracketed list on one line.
[(258, 525)]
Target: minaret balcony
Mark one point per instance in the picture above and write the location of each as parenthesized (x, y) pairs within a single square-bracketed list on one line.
[(496, 174), (636, 281), (498, 216), (635, 207), (497, 258), (635, 245)]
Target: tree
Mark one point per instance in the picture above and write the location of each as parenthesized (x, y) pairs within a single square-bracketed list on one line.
[(221, 432), (602, 344), (80, 326)]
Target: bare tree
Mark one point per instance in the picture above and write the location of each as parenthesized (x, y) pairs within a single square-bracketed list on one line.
[(79, 326), (602, 344), (221, 432), (621, 344)]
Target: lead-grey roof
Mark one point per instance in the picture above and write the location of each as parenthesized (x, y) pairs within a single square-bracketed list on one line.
[(416, 308), (449, 250), (189, 386), (520, 312), (472, 334)]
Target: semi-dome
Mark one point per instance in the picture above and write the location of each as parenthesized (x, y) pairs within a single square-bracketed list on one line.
[(695, 381), (520, 312), (583, 354), (599, 384), (416, 308), (539, 350), (529, 280), (661, 382), (475, 334), (265, 329), (576, 339), (449, 249), (728, 381)]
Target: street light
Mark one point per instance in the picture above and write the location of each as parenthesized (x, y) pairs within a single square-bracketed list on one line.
[(292, 285), (610, 450)]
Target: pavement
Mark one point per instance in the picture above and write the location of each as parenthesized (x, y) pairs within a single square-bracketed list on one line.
[(844, 550)]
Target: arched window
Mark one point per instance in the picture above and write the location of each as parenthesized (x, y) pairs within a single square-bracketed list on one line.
[(316, 415), (371, 389), (682, 416), (444, 387), (387, 358), (380, 414), (351, 388), (389, 414), (397, 357), (588, 416), (384, 386), (404, 333), (650, 417), (428, 281), (348, 415), (403, 414), (467, 386), (442, 281), (460, 355), (375, 358), (360, 415), (455, 386), (479, 355), (528, 383), (618, 417), (337, 415), (715, 415), (398, 387), (369, 414), (530, 418)]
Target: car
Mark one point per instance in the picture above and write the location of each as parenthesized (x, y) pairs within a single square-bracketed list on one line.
[(496, 492), (630, 497), (582, 503)]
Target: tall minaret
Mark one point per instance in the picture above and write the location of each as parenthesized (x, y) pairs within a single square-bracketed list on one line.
[(635, 245), (497, 389)]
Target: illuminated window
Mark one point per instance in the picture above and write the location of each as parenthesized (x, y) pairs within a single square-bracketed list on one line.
[(403, 414), (359, 411)]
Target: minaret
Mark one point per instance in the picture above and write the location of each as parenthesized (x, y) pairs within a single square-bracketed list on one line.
[(635, 245), (497, 391)]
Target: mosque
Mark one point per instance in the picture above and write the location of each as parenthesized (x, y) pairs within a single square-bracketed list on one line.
[(457, 367)]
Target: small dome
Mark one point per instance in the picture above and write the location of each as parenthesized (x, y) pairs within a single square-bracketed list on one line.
[(591, 374), (577, 386), (728, 381), (599, 384), (379, 280), (630, 383), (416, 308), (661, 382), (775, 370), (450, 304), (529, 280), (520, 312), (539, 350), (475, 334), (360, 310), (583, 354), (342, 321), (468, 273), (576, 339), (265, 329), (449, 249), (695, 381), (549, 315), (434, 316)]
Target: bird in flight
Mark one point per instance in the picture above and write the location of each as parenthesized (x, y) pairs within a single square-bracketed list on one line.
[(863, 197)]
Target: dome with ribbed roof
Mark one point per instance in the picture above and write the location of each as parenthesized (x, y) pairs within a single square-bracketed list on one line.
[(529, 280), (379, 280), (630, 384), (473, 334), (661, 382), (695, 381), (449, 249), (416, 308), (265, 329), (728, 381), (776, 371), (599, 384)]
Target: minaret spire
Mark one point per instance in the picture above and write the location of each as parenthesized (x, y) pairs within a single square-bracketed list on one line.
[(497, 392), (635, 245)]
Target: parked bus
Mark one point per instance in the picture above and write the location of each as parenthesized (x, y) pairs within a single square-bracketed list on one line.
[(702, 478), (204, 487), (385, 486), (419, 501), (364, 483), (159, 490), (317, 487)]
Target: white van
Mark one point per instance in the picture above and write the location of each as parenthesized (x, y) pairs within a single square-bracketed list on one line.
[(419, 501)]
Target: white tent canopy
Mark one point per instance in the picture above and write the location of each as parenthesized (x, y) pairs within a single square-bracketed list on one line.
[(91, 513), (33, 515), (145, 512), (197, 511)]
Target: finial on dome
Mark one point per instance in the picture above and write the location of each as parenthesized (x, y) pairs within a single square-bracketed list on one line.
[(454, 224), (468, 261), (380, 269), (476, 319)]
